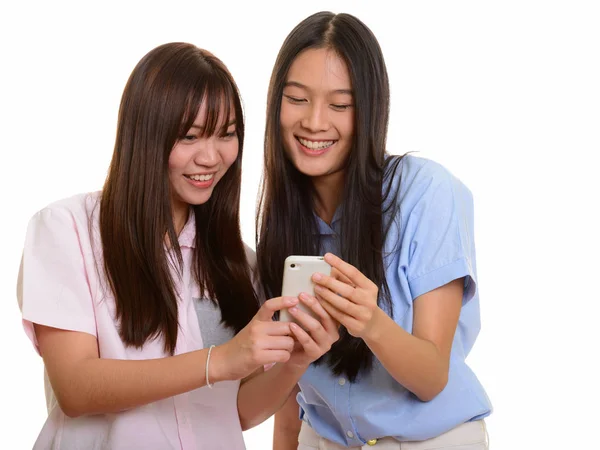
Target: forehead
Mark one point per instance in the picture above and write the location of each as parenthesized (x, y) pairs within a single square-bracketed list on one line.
[(320, 69), (219, 109)]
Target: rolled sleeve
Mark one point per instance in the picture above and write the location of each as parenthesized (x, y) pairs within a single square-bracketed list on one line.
[(441, 237)]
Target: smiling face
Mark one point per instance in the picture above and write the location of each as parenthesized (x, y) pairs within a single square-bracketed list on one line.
[(317, 113), (198, 162)]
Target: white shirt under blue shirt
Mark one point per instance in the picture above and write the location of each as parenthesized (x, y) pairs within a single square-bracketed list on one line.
[(436, 246)]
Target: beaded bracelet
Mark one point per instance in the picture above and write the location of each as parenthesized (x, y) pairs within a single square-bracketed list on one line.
[(207, 361)]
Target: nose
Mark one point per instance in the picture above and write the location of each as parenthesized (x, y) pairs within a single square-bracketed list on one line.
[(316, 118), (207, 153)]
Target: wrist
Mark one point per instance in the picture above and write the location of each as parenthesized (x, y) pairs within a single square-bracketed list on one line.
[(294, 370), (377, 327), (216, 366)]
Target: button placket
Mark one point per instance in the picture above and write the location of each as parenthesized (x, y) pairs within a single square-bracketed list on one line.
[(343, 388), (184, 425)]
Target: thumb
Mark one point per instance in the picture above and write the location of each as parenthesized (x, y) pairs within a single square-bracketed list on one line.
[(266, 311)]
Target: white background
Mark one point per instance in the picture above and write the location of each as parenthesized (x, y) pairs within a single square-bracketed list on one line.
[(505, 94)]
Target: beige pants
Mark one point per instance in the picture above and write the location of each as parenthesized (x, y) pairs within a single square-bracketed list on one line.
[(468, 436)]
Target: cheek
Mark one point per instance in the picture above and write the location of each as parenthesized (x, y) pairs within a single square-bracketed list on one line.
[(286, 117), (172, 164), (348, 127), (175, 159), (230, 154)]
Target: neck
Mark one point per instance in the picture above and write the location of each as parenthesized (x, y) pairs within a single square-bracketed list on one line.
[(180, 216), (328, 194)]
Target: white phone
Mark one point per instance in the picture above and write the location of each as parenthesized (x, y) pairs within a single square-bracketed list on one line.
[(297, 274)]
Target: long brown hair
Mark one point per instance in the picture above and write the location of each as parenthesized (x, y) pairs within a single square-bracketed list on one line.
[(159, 104), (285, 222)]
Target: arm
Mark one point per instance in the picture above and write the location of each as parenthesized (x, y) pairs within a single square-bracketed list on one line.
[(425, 362), (262, 395), (287, 424), (418, 361), (53, 291), (84, 383)]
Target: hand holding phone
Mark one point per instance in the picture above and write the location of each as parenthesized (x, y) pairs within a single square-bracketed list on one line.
[(297, 278)]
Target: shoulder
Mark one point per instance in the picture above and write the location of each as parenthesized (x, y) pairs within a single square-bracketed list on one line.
[(251, 258), (79, 205), (68, 214), (254, 275), (424, 172), (421, 178), (250, 255)]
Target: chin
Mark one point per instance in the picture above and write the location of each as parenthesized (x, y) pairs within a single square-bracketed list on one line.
[(195, 200), (312, 173), (311, 168)]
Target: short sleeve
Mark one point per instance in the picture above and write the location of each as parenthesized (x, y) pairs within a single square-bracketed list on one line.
[(52, 287), (439, 232)]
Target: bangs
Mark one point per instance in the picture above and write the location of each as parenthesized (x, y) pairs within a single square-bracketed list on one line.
[(216, 92)]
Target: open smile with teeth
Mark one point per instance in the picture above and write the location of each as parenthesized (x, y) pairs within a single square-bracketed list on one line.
[(315, 145), (207, 177)]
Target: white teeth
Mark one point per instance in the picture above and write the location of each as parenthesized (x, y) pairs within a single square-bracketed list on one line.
[(316, 145), (202, 177)]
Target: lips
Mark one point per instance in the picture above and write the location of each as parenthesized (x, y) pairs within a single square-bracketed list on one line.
[(316, 145), (314, 148), (201, 181), (201, 177)]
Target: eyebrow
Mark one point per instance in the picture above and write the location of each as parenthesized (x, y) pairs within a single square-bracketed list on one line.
[(301, 86), (199, 127)]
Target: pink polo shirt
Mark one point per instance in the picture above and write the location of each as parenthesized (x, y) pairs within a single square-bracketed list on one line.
[(59, 286)]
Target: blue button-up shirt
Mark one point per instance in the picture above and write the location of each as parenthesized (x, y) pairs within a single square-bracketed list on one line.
[(434, 230)]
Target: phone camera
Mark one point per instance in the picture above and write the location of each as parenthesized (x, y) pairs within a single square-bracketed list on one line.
[(292, 265)]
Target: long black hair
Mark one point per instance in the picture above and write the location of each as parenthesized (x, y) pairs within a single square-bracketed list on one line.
[(285, 221)]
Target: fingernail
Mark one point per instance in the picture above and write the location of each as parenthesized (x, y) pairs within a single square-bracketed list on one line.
[(318, 288), (317, 276), (305, 297), (293, 310), (292, 301)]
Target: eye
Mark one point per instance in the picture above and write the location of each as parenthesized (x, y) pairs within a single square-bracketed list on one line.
[(229, 135), (189, 138), (341, 107), (295, 100)]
